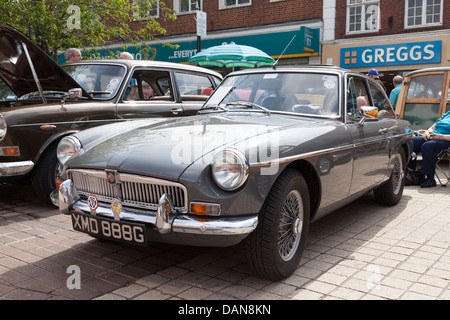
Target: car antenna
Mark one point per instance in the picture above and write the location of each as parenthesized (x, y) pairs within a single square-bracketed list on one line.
[(274, 66)]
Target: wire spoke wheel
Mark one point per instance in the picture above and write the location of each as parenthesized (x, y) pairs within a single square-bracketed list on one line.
[(398, 174), (290, 225)]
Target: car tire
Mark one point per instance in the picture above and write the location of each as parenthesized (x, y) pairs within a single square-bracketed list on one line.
[(285, 212), (391, 192), (44, 174)]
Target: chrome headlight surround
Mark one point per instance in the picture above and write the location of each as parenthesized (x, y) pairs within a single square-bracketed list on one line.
[(229, 169), (3, 127), (68, 147)]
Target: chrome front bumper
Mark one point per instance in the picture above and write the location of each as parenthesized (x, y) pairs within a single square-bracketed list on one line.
[(19, 168), (166, 220)]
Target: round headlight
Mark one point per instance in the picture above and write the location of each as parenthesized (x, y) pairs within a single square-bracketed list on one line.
[(229, 169), (67, 147), (3, 127)]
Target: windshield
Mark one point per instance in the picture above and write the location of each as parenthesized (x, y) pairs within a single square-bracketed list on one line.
[(5, 92), (101, 81), (300, 93)]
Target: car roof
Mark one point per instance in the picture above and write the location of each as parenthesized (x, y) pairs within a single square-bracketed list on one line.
[(297, 68), (428, 70), (148, 63)]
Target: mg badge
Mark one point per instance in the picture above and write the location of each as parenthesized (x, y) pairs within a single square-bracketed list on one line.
[(116, 208), (92, 203), (111, 177)]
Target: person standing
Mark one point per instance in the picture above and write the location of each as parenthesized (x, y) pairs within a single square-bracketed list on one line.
[(393, 96), (73, 54), (373, 73), (133, 85)]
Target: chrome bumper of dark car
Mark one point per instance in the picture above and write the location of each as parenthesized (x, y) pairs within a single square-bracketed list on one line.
[(166, 219), (19, 168)]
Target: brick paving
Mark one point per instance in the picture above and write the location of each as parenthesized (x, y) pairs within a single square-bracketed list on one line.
[(362, 251)]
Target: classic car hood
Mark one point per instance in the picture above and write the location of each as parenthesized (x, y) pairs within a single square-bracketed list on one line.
[(15, 70), (165, 148)]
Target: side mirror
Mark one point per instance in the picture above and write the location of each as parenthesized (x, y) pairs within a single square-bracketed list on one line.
[(75, 93)]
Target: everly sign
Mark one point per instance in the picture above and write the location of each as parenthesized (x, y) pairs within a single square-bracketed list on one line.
[(391, 55)]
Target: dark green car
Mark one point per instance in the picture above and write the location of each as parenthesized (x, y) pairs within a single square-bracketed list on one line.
[(36, 109)]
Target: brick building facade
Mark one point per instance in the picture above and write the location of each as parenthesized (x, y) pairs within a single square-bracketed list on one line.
[(393, 36)]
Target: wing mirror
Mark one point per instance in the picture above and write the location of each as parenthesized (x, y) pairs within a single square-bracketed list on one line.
[(72, 94), (75, 93)]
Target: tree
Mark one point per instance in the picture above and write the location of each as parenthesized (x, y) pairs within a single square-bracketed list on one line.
[(56, 25)]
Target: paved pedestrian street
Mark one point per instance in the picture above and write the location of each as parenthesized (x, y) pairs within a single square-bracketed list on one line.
[(362, 251)]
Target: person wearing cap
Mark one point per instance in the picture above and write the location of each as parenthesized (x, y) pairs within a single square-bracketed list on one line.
[(393, 96), (373, 73)]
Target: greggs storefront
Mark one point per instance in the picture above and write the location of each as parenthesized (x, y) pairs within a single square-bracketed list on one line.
[(390, 56)]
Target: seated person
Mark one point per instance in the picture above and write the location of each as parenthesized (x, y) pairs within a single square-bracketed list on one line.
[(429, 144)]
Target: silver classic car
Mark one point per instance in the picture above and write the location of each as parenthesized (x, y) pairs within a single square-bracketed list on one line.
[(271, 151)]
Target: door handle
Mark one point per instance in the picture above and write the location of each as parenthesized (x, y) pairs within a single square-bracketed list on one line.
[(383, 131), (176, 110)]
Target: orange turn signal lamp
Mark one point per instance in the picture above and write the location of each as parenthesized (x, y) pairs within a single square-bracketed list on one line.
[(205, 209), (9, 151)]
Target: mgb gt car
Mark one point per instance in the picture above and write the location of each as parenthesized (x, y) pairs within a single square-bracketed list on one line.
[(271, 151)]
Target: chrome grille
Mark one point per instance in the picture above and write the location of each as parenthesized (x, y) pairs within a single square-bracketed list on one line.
[(133, 190)]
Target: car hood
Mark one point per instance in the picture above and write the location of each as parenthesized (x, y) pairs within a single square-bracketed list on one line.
[(15, 69), (165, 148)]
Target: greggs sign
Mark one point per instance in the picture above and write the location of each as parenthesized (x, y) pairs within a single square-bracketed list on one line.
[(392, 54)]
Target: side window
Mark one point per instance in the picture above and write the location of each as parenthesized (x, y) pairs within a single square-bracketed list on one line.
[(150, 85), (193, 84), (429, 86), (357, 97), (381, 102)]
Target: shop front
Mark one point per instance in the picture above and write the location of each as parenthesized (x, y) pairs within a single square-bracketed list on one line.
[(390, 56), (289, 44)]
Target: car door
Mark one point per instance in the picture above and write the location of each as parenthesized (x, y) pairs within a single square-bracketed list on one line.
[(368, 131), (424, 97), (155, 95)]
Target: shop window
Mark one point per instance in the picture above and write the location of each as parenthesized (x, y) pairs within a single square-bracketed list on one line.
[(423, 13), (363, 16)]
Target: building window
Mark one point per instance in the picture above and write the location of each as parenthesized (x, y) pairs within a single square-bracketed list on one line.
[(186, 6), (225, 4), (152, 9), (423, 13), (363, 16)]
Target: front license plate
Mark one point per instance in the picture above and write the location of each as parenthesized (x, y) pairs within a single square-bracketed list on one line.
[(129, 232)]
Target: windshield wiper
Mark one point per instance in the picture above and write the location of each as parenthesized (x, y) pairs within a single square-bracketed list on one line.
[(214, 107), (249, 105)]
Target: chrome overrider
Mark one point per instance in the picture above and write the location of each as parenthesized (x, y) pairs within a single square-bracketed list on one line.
[(166, 220), (11, 169)]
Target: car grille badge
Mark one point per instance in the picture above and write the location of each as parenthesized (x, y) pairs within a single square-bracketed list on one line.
[(116, 208), (92, 202)]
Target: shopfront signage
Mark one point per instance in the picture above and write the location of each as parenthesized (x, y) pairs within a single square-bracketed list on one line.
[(391, 54), (302, 42)]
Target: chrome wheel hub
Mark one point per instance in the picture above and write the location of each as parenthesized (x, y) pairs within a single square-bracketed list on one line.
[(290, 225)]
